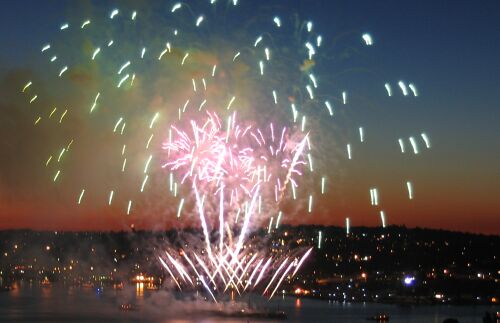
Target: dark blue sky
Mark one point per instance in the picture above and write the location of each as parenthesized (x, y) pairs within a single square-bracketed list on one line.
[(450, 48)]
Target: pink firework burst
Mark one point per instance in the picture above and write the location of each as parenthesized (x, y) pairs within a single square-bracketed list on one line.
[(234, 165), (237, 157)]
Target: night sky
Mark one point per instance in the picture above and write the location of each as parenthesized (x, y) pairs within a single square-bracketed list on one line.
[(449, 49)]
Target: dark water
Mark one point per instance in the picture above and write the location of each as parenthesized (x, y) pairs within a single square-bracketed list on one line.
[(62, 304)]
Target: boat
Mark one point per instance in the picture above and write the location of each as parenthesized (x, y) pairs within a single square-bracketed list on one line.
[(45, 282), (380, 317), (87, 285), (491, 317), (127, 307)]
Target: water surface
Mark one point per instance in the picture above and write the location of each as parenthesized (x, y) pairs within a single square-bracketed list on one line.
[(32, 303)]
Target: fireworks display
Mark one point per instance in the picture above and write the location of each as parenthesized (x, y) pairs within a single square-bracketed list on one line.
[(216, 121)]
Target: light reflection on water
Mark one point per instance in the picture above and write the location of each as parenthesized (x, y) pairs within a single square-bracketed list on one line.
[(139, 288), (46, 292), (16, 291), (55, 303)]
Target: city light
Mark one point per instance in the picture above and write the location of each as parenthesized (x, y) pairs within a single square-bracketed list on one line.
[(409, 280)]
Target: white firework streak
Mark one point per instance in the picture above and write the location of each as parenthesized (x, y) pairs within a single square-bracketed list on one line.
[(281, 279), (170, 272), (275, 274), (232, 264)]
